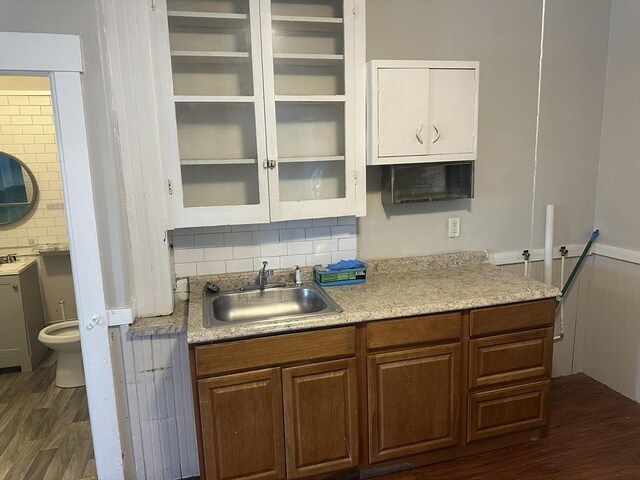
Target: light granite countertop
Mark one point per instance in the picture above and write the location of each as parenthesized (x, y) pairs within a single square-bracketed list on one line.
[(394, 288), (16, 267), (162, 325)]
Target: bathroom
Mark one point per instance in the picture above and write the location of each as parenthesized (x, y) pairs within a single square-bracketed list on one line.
[(41, 376)]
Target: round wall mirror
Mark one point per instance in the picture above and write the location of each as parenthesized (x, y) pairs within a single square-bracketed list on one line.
[(18, 189)]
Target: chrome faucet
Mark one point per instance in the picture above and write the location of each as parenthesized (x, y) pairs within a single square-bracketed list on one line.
[(9, 258), (263, 275)]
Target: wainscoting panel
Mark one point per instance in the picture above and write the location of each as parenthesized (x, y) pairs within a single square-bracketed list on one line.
[(612, 338), (158, 388)]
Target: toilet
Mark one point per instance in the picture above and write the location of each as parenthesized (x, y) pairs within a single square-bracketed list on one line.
[(64, 338)]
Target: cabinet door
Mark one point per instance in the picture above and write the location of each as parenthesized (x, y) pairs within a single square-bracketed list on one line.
[(452, 111), (321, 418), (309, 79), (13, 340), (216, 107), (403, 101), (242, 433), (413, 401)]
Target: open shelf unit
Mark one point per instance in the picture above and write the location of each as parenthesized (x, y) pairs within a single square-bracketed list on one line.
[(318, 24), (222, 161), (309, 59), (182, 56), (310, 98), (204, 19), (213, 99)]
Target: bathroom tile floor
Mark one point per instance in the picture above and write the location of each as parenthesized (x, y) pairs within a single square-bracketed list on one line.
[(44, 430)]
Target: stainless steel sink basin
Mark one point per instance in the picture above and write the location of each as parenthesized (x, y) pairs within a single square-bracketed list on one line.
[(272, 303)]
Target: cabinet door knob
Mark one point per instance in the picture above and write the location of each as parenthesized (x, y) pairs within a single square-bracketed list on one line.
[(15, 287), (419, 134), (435, 139), (269, 164)]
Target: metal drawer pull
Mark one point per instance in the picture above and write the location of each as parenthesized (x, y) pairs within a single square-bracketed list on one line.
[(419, 134), (435, 139)]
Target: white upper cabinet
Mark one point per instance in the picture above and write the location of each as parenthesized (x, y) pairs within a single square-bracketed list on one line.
[(261, 109), (422, 111)]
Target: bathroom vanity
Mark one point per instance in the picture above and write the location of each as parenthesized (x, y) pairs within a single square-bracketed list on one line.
[(22, 315)]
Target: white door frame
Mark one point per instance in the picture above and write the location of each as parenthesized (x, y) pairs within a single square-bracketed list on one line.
[(60, 57)]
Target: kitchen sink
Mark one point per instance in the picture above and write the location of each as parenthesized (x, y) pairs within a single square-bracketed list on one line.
[(253, 304)]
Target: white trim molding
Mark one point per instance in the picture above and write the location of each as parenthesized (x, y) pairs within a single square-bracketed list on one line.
[(47, 52), (618, 253), (537, 255), (120, 316)]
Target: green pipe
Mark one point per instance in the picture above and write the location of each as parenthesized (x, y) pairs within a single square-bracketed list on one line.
[(585, 252)]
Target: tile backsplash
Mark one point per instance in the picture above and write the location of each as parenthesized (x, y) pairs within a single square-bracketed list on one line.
[(28, 133), (241, 248)]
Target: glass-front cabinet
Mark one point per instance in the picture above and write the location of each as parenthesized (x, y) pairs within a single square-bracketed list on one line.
[(263, 111)]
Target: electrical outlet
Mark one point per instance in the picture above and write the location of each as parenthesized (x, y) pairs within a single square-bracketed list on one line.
[(454, 227)]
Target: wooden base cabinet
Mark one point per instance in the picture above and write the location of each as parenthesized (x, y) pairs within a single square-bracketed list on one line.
[(414, 398), (415, 390), (291, 412)]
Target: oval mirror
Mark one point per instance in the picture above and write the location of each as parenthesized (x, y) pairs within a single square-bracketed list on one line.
[(18, 189)]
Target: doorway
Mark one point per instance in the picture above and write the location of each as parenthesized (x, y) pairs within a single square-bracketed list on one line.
[(59, 57), (43, 403)]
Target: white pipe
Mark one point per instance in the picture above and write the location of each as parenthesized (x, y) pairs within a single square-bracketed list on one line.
[(548, 247), (62, 312)]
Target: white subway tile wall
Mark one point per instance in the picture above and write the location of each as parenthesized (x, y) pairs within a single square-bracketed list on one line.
[(27, 132), (241, 248)]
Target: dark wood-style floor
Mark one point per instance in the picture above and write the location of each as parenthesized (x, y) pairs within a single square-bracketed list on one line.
[(44, 430), (594, 433)]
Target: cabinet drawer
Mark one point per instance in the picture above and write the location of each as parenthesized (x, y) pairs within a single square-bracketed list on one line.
[(507, 410), (414, 330), (520, 316), (510, 357), (271, 351)]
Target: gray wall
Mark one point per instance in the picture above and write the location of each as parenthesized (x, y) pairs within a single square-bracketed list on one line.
[(57, 284), (618, 206), (80, 17), (504, 36)]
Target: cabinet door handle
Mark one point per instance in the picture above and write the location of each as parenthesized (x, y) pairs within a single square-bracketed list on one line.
[(269, 164), (419, 134), (435, 139)]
